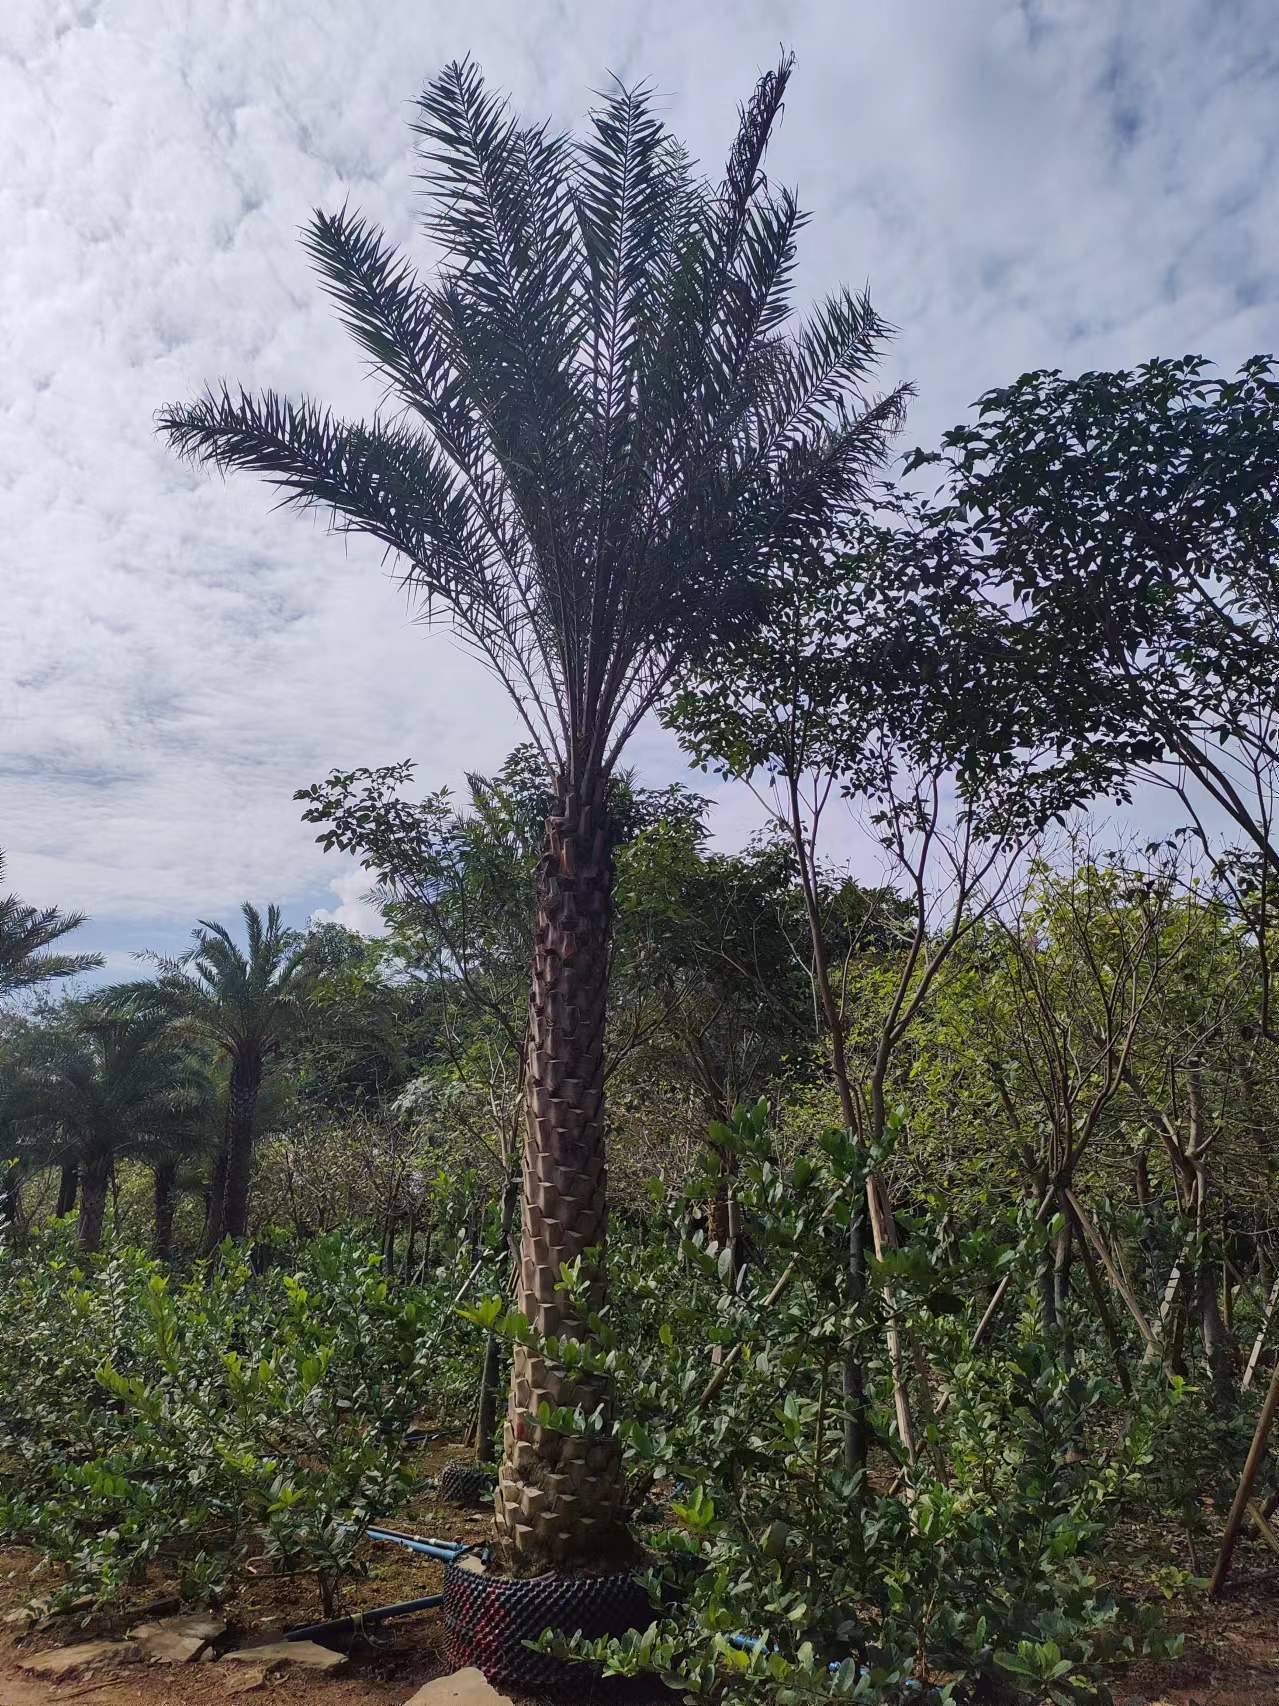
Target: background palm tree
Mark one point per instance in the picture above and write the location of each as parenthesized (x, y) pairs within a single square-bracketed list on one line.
[(179, 1160), (26, 935), (241, 1002), (604, 433), (95, 1087)]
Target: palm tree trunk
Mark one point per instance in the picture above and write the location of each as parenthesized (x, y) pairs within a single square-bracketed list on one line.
[(10, 1204), (560, 1495), (166, 1178), (242, 1107), (214, 1205), (68, 1185), (93, 1203)]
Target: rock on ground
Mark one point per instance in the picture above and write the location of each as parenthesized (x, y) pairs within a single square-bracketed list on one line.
[(245, 1679), (177, 1640), (469, 1687), (85, 1655), (307, 1655)]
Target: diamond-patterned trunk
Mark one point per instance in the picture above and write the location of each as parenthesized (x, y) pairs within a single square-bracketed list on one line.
[(242, 1104), (559, 1497)]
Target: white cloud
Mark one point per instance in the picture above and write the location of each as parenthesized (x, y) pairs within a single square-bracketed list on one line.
[(354, 910), (1062, 182)]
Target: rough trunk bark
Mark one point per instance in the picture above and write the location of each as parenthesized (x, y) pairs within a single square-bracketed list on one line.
[(166, 1184), (68, 1185), (93, 1204), (559, 1502), (242, 1107)]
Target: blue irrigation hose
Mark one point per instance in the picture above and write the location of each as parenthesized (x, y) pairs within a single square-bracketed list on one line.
[(444, 1550), (352, 1624)]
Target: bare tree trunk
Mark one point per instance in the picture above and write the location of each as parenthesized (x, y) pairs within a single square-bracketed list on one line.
[(166, 1181), (242, 1107), (1063, 1258), (1104, 1315), (853, 1376), (68, 1185), (1046, 1271), (486, 1410), (1218, 1350), (1142, 1171), (93, 1203), (560, 1496)]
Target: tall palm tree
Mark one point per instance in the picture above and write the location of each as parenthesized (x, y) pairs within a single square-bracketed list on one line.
[(242, 1002), (26, 935), (604, 431), (95, 1086)]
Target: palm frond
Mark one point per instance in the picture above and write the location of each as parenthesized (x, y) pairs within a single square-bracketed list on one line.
[(27, 933)]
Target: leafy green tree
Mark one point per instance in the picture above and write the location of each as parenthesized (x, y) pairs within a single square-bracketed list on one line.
[(26, 935), (606, 429), (1130, 520), (868, 684), (94, 1087), (242, 1003)]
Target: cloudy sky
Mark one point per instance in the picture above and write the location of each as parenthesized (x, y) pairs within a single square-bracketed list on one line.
[(1071, 183)]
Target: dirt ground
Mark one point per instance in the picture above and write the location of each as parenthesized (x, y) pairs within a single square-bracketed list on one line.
[(1231, 1653), (1231, 1656)]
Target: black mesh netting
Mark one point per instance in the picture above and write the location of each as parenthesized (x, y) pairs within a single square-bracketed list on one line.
[(465, 1484), (487, 1620)]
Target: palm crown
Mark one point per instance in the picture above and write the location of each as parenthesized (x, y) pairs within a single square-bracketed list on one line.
[(603, 431), (237, 998), (26, 935)]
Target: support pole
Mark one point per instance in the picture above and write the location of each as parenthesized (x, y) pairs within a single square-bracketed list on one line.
[(1238, 1510), (1113, 1274), (1258, 1343)]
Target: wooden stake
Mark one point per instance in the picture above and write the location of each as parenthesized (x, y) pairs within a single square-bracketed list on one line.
[(1171, 1291), (1255, 1355), (1256, 1451), (1099, 1298), (725, 1368), (1116, 1279), (884, 1235), (1263, 1527)]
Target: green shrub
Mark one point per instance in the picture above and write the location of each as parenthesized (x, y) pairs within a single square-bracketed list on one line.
[(191, 1425), (982, 1581)]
